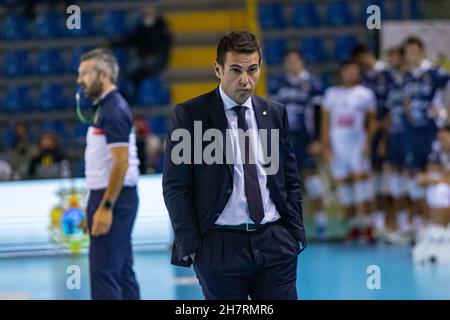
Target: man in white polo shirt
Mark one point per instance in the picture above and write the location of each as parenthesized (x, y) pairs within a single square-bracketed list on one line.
[(111, 175)]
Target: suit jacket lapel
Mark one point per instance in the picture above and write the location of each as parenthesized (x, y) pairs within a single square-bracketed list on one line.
[(219, 121), (264, 121)]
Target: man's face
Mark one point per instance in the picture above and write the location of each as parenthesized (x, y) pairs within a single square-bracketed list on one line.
[(364, 60), (413, 55), (350, 74), (89, 79), (395, 59), (239, 75), (293, 64), (47, 142)]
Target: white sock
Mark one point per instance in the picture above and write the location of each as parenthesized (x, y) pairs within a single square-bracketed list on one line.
[(379, 220), (418, 222), (403, 221), (321, 218)]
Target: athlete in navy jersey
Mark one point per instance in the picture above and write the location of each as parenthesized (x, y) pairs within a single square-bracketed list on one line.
[(300, 91), (423, 84), (375, 76), (111, 176), (393, 143)]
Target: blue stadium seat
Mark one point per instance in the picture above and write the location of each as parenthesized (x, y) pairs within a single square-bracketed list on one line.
[(274, 51), (11, 2), (398, 10), (121, 54), (49, 25), (50, 61), (153, 92), (57, 127), (411, 9), (273, 84), (415, 12), (9, 136), (78, 171), (75, 57), (270, 16), (343, 47), (15, 27), (52, 97), (126, 87), (114, 24), (87, 27), (16, 63), (305, 15), (80, 132), (18, 99), (326, 79), (366, 4), (158, 125), (339, 14), (313, 50)]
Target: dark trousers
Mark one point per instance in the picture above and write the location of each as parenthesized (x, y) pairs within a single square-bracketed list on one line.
[(234, 265), (111, 255)]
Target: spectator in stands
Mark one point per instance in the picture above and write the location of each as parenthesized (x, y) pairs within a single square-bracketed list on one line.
[(149, 147), (21, 152), (50, 162), (142, 133), (151, 42)]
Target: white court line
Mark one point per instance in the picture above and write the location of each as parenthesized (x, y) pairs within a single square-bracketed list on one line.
[(184, 281)]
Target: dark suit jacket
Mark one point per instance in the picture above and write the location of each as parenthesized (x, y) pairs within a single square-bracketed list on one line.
[(196, 194)]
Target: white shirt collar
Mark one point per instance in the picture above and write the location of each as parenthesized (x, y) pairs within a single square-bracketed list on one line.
[(229, 103), (424, 66), (379, 65), (301, 76)]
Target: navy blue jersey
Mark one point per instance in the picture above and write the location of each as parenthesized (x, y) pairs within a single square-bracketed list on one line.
[(299, 95), (421, 86), (395, 103), (112, 127), (378, 80)]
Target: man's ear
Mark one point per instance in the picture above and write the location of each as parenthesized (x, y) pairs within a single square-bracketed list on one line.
[(217, 69)]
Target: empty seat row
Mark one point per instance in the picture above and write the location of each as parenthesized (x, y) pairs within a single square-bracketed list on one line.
[(53, 61), (53, 25), (311, 48), (53, 97), (337, 13)]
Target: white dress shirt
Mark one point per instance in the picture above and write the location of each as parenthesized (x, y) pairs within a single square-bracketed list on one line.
[(236, 209)]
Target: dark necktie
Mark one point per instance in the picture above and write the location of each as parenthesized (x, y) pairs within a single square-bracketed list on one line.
[(252, 189)]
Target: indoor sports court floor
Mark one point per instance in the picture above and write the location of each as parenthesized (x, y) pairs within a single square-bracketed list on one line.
[(326, 271)]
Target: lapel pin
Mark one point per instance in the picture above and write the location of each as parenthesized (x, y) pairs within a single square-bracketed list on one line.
[(264, 112)]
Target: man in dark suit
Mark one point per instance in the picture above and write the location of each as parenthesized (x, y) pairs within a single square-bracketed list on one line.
[(237, 221)]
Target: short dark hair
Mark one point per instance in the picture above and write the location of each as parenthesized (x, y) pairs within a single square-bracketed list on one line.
[(396, 49), (347, 63), (446, 127), (298, 53), (359, 48), (412, 40), (237, 41)]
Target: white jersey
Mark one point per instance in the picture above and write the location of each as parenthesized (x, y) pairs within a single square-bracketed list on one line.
[(348, 107)]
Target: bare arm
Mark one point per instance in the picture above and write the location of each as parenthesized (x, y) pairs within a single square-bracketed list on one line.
[(102, 219)]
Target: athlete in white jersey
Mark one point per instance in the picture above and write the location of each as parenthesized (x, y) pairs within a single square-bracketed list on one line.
[(348, 124)]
